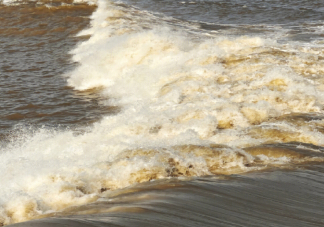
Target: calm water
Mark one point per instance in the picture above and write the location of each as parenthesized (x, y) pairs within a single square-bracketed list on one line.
[(34, 55), (162, 113)]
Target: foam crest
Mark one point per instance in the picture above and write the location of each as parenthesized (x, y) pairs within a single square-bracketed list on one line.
[(172, 83)]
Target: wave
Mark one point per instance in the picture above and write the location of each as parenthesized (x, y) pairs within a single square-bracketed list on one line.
[(192, 104)]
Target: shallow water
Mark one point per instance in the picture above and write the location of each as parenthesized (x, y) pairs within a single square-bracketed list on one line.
[(218, 101)]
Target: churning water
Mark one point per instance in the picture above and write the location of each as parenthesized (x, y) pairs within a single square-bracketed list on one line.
[(162, 113)]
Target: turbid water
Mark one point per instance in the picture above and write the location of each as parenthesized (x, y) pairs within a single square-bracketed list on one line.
[(161, 113)]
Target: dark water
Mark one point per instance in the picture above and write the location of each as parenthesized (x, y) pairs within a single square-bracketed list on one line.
[(239, 11), (161, 113), (277, 198)]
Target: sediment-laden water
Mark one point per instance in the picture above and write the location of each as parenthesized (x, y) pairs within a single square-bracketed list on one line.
[(161, 113)]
